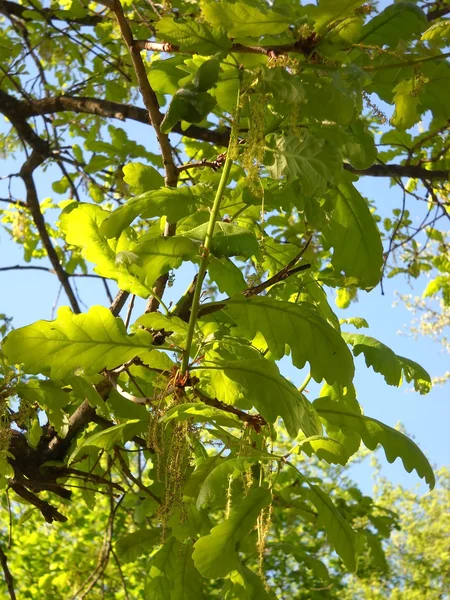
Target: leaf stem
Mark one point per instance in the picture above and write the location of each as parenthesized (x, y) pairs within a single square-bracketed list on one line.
[(305, 383), (208, 239)]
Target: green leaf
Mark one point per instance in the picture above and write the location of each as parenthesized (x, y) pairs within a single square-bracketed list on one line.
[(165, 74), (339, 533), (406, 105), (242, 19), (438, 32), (357, 322), (84, 389), (108, 438), (373, 432), (206, 75), (384, 361), (90, 342), (215, 555), (346, 398), (331, 10), (416, 373), (353, 234), (228, 240), (142, 178), (300, 556), (310, 338), (216, 482), (173, 203), (329, 102), (192, 36), (200, 413), (158, 321), (226, 275), (244, 584), (258, 382), (284, 86), (187, 105), (399, 21), (332, 451), (311, 160), (133, 545), (81, 226), (172, 575), (160, 255), (359, 149), (50, 398)]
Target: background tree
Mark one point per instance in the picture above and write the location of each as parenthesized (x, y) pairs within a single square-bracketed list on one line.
[(273, 115), (58, 559)]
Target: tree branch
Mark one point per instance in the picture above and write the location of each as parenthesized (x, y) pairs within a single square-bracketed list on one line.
[(48, 270), (437, 14), (8, 576), (16, 202), (396, 171), (117, 110), (255, 421), (131, 477), (148, 95), (102, 108), (156, 118), (26, 173), (49, 512)]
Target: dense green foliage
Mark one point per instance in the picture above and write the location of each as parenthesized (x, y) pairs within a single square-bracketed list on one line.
[(55, 560), (186, 442)]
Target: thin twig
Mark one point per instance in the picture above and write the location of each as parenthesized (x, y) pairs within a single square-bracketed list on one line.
[(121, 575), (134, 479), (255, 421), (129, 311)]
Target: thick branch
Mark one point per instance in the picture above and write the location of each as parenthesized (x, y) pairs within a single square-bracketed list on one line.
[(7, 573), (26, 173), (102, 108), (271, 51), (148, 95), (396, 171), (117, 110), (49, 512), (156, 118), (437, 14)]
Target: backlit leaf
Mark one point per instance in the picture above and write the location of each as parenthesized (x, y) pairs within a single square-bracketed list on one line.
[(383, 360), (373, 432), (311, 160), (354, 236), (173, 203), (192, 36), (310, 338), (142, 178), (396, 22), (339, 533), (242, 19), (90, 342), (228, 240)]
